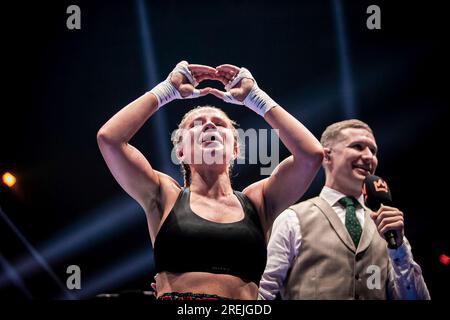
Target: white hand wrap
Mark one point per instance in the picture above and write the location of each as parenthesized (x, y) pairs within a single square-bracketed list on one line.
[(257, 99), (166, 92)]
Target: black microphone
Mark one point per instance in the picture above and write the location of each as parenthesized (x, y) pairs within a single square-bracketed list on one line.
[(377, 192)]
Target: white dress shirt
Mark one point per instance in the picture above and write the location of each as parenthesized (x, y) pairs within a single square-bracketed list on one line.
[(405, 276)]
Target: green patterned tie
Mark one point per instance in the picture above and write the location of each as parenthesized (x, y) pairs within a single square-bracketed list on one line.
[(351, 222)]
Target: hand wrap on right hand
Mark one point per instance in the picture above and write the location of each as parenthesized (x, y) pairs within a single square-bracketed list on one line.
[(166, 91)]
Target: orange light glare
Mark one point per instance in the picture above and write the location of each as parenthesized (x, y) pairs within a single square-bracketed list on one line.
[(9, 179)]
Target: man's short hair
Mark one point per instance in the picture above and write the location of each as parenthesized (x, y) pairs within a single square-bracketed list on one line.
[(332, 131)]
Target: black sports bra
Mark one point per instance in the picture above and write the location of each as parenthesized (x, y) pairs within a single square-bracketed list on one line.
[(187, 242)]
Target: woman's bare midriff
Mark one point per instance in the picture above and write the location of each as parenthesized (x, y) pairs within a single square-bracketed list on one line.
[(223, 285)]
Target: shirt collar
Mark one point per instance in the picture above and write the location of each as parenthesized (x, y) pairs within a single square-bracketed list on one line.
[(333, 196)]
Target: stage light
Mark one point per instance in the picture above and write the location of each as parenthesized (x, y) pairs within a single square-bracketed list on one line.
[(444, 259), (9, 179), (347, 91), (98, 224), (39, 259), (151, 76)]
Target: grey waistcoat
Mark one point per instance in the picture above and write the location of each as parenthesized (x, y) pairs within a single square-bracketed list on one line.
[(328, 265)]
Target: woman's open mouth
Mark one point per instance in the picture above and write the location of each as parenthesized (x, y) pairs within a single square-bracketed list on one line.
[(212, 139)]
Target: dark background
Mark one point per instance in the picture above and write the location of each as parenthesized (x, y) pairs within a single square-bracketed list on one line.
[(61, 85)]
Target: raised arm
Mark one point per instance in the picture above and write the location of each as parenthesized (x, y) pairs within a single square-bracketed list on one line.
[(129, 167), (292, 176)]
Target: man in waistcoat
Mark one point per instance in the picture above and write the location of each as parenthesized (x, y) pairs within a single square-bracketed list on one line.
[(332, 246)]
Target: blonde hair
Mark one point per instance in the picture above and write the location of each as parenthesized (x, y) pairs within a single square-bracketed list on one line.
[(332, 132), (177, 138)]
